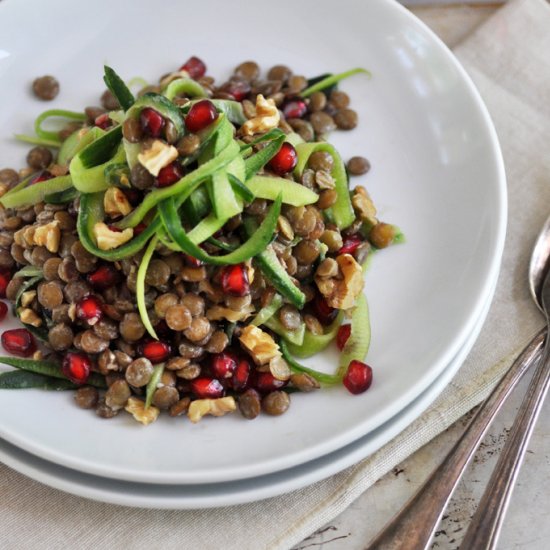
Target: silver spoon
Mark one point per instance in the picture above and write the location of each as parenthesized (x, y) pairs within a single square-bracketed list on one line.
[(413, 527)]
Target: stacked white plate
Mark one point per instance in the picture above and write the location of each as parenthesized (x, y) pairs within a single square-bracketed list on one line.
[(436, 172)]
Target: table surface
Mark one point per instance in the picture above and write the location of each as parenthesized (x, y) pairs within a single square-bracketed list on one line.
[(530, 502)]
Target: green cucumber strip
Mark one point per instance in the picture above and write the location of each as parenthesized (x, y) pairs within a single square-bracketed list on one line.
[(255, 162), (90, 213), (22, 380), (222, 196), (295, 194), (36, 192), (240, 188), (140, 287), (315, 343), (294, 139), (185, 86), (205, 228), (273, 270), (118, 88), (137, 81), (358, 343), (182, 188), (268, 311), (62, 197), (101, 149), (118, 175), (222, 245), (76, 142), (294, 336), (48, 368), (274, 133), (342, 210), (254, 245), (29, 271), (197, 205), (54, 113), (153, 383), (322, 377), (92, 180), (330, 80), (38, 141)]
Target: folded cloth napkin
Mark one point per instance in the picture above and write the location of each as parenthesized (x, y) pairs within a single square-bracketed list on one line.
[(508, 59)]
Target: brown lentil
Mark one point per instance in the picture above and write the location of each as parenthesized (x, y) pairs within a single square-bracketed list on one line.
[(217, 343), (290, 317), (339, 99), (248, 70), (361, 253), (39, 158), (357, 166), (279, 72), (307, 252), (90, 342), (333, 239), (140, 177), (60, 337), (322, 122), (321, 160), (106, 328), (6, 260), (45, 87), (382, 235), (60, 314), (92, 113), (104, 411), (296, 84), (249, 404), (181, 407), (39, 256), (118, 394), (109, 101), (327, 198), (317, 101), (163, 302), (66, 270), (158, 273), (131, 328), (303, 128), (50, 294), (86, 397), (276, 403), (74, 291), (139, 372), (193, 274), (165, 397), (9, 177), (304, 382), (107, 362), (346, 119), (131, 130), (313, 324), (170, 132), (178, 317)]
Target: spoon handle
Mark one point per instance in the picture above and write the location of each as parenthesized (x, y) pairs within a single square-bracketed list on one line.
[(415, 524), (486, 524)]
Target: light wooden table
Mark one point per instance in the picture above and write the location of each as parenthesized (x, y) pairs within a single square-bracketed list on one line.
[(527, 526)]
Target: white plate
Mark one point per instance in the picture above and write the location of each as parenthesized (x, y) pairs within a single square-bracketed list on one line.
[(237, 492), (437, 172)]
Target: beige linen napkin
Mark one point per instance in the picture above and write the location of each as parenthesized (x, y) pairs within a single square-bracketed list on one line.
[(508, 60)]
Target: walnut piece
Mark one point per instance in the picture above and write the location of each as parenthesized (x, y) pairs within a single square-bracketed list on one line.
[(260, 344), (215, 407), (107, 239), (29, 317), (267, 117), (341, 291), (217, 313), (47, 235), (136, 407), (115, 203), (27, 297), (158, 156), (363, 205)]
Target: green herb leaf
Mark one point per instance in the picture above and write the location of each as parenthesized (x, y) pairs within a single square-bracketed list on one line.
[(118, 88), (153, 383), (20, 380), (330, 80)]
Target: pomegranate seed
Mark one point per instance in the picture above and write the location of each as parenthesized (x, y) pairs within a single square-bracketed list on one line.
[(3, 310), (169, 174), (266, 382), (342, 337), (234, 280), (134, 196), (103, 277), (295, 108), (201, 115), (241, 375), (156, 351), (223, 364), (285, 160), (43, 176), (151, 122), (207, 388), (103, 121), (195, 67), (5, 278), (191, 261), (139, 228), (324, 313), (19, 341), (89, 309), (76, 367), (239, 89), (351, 244), (358, 377)]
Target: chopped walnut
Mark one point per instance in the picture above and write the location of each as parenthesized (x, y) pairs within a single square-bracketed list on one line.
[(267, 117), (363, 205), (159, 155), (47, 235), (116, 203), (260, 344), (215, 407), (136, 407), (29, 317), (27, 297), (342, 291), (108, 239), (217, 313)]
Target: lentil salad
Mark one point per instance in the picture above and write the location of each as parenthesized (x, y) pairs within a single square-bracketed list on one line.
[(185, 246)]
